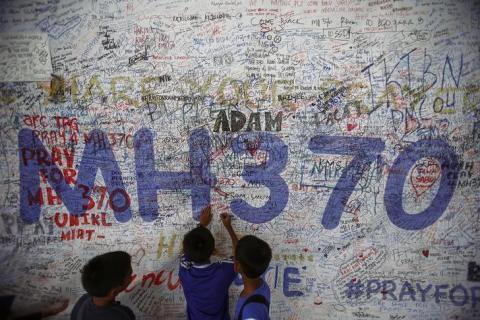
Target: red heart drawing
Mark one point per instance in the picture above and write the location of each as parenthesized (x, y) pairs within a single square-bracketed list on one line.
[(253, 146), (425, 253), (351, 126), (424, 174)]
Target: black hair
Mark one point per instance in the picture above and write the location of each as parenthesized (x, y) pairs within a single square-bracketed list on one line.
[(198, 244), (106, 272), (254, 256)]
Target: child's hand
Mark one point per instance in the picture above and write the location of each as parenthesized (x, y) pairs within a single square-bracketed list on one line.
[(206, 216), (55, 310), (226, 219)]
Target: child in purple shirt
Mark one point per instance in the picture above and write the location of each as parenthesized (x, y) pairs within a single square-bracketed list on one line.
[(205, 284), (252, 257)]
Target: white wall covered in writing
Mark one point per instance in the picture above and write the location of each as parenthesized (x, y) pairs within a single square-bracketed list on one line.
[(361, 120)]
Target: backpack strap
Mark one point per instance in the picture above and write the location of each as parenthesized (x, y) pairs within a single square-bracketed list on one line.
[(258, 298)]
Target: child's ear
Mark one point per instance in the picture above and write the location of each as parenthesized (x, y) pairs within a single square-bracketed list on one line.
[(115, 291)]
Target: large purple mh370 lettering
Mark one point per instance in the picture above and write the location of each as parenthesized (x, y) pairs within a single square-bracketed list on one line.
[(35, 160)]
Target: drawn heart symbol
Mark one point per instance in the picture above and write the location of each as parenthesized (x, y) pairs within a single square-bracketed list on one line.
[(351, 126), (253, 146), (425, 253), (424, 175)]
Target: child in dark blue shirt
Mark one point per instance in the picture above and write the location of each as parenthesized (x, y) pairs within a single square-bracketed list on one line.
[(205, 284), (252, 257), (104, 277)]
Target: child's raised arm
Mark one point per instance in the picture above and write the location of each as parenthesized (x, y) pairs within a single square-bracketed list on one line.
[(205, 217), (227, 222)]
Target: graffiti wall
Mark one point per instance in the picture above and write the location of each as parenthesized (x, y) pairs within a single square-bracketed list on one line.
[(346, 133)]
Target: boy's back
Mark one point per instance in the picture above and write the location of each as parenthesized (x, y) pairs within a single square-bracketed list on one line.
[(206, 288), (252, 257), (86, 309), (254, 310)]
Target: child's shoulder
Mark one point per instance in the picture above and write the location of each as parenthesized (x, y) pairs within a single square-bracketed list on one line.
[(187, 263), (117, 311), (228, 260), (225, 264), (264, 289), (126, 312)]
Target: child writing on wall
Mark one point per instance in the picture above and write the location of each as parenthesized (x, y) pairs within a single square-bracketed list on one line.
[(205, 284), (104, 277)]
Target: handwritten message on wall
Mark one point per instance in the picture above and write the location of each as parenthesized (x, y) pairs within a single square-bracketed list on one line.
[(344, 133)]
